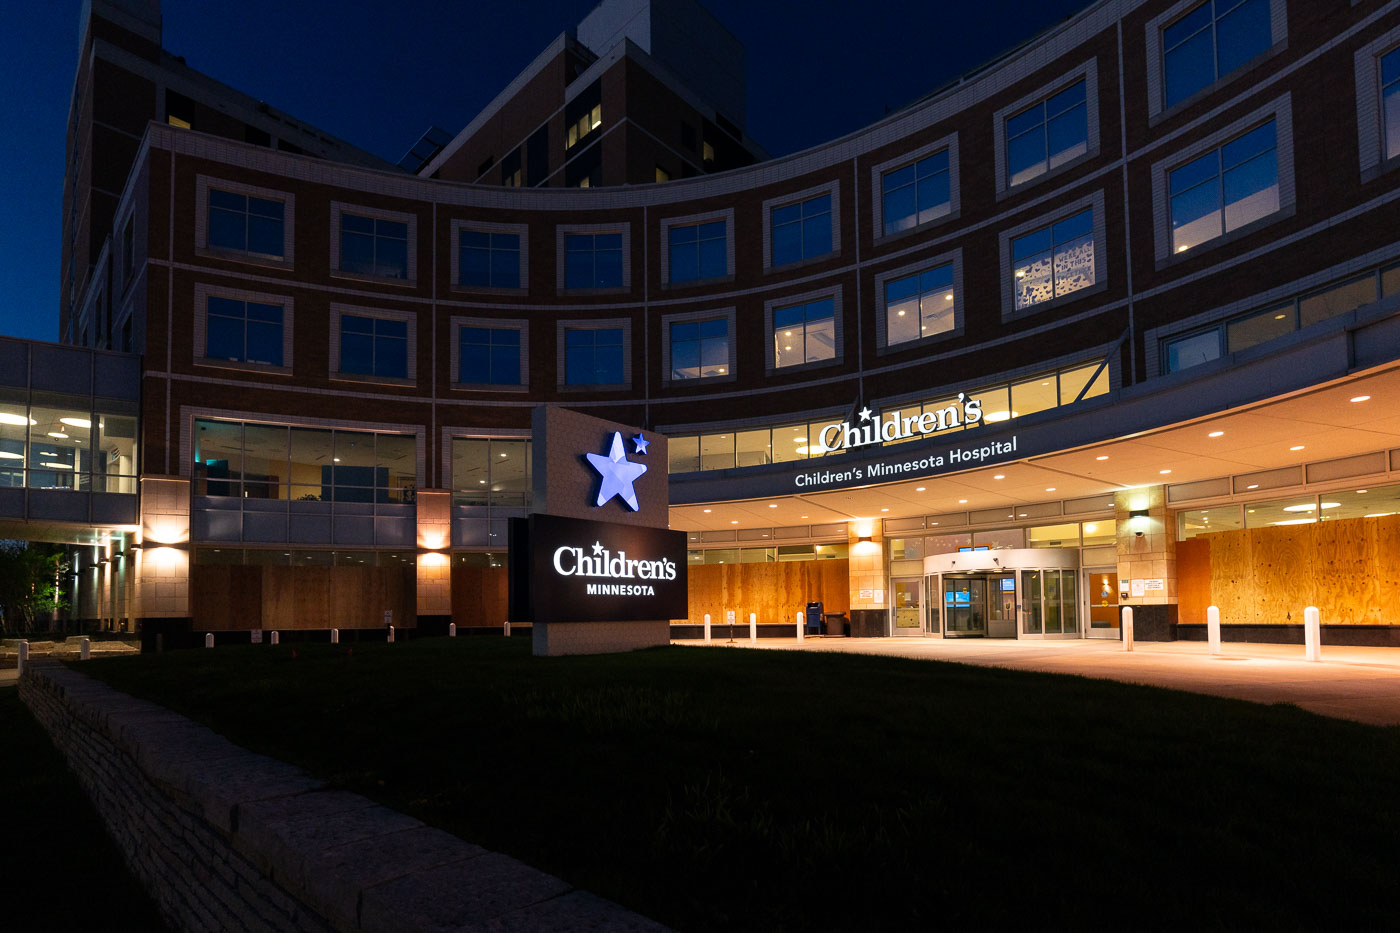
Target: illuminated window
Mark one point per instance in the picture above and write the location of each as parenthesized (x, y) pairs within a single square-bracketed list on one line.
[(920, 305), (1054, 261), (804, 333), (1225, 189), (699, 349), (1047, 134)]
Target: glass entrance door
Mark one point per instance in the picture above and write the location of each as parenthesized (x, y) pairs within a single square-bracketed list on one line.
[(964, 606), (1001, 605), (908, 617), (1101, 588), (1049, 602)]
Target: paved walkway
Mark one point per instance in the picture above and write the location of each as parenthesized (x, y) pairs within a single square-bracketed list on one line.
[(1362, 684)]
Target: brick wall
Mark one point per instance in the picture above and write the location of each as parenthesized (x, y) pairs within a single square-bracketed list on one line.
[(225, 839)]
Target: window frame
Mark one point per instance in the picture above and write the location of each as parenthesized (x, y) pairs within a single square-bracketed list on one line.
[(669, 224), (1088, 72), (203, 185), (1156, 65), (458, 227), (877, 187), (1281, 112), (341, 208), (729, 315), (832, 188), (203, 292), (461, 321), (561, 353), (383, 314), (1370, 109), (839, 344), (952, 257), (561, 235), (1093, 200)]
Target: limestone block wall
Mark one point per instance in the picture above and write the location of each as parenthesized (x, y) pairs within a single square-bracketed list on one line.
[(225, 839), (163, 563), (434, 590)]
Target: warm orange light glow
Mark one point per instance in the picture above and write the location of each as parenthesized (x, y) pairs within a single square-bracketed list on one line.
[(432, 538), (165, 530)]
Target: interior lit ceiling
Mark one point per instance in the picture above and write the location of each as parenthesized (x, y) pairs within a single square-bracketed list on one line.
[(1323, 423)]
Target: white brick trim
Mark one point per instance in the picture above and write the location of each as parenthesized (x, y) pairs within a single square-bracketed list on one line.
[(1370, 118)]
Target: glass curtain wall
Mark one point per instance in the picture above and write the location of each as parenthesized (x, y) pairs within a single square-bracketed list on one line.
[(52, 440)]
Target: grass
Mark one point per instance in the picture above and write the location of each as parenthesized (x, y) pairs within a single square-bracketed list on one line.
[(59, 870), (717, 789)]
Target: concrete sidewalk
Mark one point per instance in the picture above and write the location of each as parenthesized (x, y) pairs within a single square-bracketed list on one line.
[(1361, 684)]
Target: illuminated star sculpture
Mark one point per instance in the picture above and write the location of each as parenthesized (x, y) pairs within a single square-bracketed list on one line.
[(618, 473), (641, 444)]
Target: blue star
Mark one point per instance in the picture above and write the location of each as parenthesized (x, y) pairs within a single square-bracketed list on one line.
[(618, 473), (642, 444)]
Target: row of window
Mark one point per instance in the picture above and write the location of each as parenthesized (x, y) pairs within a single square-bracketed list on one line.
[(55, 441), (1256, 326), (801, 441)]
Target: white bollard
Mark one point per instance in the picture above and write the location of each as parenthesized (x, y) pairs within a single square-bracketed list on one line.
[(391, 634), (452, 630), (85, 649), (335, 636), (276, 639), (23, 656), (753, 628), (507, 628), (1312, 633), (1213, 628), (801, 624), (208, 639), (707, 626), (1127, 628)]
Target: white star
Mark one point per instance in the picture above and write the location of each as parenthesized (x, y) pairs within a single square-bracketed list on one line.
[(618, 473), (865, 414), (642, 444), (597, 549)]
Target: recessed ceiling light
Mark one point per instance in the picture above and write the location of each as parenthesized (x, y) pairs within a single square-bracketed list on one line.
[(1101, 457), (884, 510), (1216, 434), (772, 505), (1361, 492), (999, 476), (1049, 488), (708, 511), (1296, 447), (1252, 486), (734, 521), (920, 488), (1361, 398), (1164, 472), (804, 516), (962, 502)]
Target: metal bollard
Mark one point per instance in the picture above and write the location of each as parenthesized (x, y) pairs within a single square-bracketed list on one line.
[(85, 649), (1312, 633), (208, 639), (707, 626), (1213, 628), (1127, 628), (801, 618), (23, 656), (452, 630), (335, 636), (753, 628), (276, 639), (391, 634)]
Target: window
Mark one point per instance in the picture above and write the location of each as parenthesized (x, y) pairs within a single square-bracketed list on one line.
[(919, 305), (584, 124), (593, 260), (916, 193), (1210, 42), (801, 231), (1390, 102), (593, 356), (244, 331), (245, 223), (662, 174), (489, 356), (804, 333), (128, 252), (374, 346), (1053, 261), (697, 251), (699, 349), (373, 246), (1193, 350), (1047, 134), (491, 471), (489, 260), (1225, 189), (511, 175)]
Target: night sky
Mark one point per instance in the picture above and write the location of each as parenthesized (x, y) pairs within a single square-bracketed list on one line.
[(377, 74)]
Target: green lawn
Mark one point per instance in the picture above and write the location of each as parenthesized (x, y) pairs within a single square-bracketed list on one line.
[(59, 871), (720, 789)]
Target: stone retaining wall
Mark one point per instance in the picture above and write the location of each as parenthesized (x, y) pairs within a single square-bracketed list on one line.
[(225, 839)]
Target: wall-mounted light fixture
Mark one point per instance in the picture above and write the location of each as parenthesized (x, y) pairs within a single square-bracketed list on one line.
[(1137, 513), (863, 539)]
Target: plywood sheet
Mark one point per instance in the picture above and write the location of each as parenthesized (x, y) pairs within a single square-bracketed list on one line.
[(1345, 588), (775, 591), (1232, 577), (1284, 559), (1193, 593)]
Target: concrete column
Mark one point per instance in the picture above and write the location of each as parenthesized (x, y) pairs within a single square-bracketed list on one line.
[(434, 566), (1147, 554), (869, 584), (162, 565)]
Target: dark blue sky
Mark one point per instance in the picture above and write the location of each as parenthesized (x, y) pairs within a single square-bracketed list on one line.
[(378, 73)]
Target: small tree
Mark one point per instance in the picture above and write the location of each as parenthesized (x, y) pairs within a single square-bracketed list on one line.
[(30, 576)]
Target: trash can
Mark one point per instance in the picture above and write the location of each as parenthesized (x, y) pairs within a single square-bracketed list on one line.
[(814, 618), (834, 625)]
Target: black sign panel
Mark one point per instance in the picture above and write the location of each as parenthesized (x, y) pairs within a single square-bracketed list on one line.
[(573, 570)]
